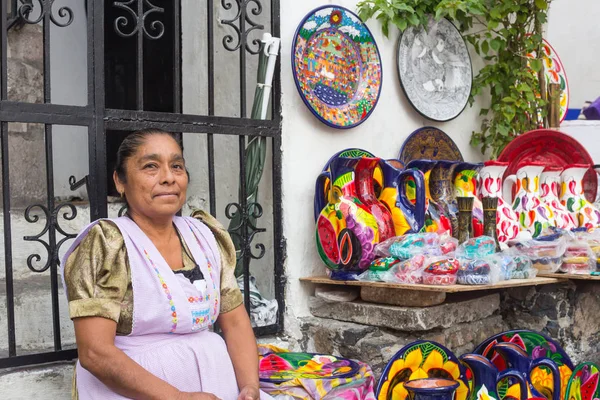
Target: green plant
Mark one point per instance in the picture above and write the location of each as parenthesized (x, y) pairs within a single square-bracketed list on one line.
[(505, 33)]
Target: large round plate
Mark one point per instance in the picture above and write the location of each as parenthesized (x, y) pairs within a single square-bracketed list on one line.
[(337, 66), (551, 148), (278, 367), (555, 73), (420, 359), (583, 384), (431, 144), (435, 69)]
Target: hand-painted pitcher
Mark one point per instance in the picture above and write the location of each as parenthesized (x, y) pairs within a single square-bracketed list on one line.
[(486, 377), (550, 187), (534, 216), (572, 197), (465, 185), (407, 217), (490, 185), (435, 219), (346, 230), (441, 188)]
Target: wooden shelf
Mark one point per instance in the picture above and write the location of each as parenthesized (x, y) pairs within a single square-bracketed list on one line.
[(560, 275), (444, 289)]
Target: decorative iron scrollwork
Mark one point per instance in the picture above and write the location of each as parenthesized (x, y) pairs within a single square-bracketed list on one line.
[(50, 225), (243, 17), (253, 212), (46, 9), (152, 30)]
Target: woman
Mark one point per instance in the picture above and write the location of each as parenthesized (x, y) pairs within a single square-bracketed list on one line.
[(144, 290)]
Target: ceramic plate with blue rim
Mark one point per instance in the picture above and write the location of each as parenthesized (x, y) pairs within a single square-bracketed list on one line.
[(431, 144), (336, 66)]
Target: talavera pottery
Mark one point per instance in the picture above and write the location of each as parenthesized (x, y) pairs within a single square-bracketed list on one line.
[(486, 379), (434, 67), (442, 191), (534, 216), (364, 182), (429, 143), (418, 360), (490, 218), (346, 231), (572, 197), (549, 147), (431, 389), (550, 184), (322, 185), (435, 218), (407, 217), (279, 367), (336, 66), (465, 219), (597, 200), (583, 384), (465, 185), (491, 185)]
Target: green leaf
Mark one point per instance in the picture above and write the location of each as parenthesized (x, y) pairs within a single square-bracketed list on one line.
[(495, 44), (400, 23), (541, 4), (536, 64), (413, 19), (508, 100), (402, 6), (485, 46)]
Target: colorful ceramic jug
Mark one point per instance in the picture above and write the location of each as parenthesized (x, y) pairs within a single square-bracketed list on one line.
[(534, 216), (365, 189), (346, 230), (583, 383), (490, 185), (572, 197), (597, 200), (550, 186), (486, 377), (517, 359), (435, 218), (465, 185), (442, 190), (407, 217)]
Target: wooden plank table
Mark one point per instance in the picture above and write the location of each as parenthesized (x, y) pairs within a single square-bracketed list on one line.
[(560, 275)]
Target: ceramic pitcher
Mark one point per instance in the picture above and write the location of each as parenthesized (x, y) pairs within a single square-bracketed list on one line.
[(407, 217), (534, 216), (365, 189), (550, 187), (486, 378), (573, 198), (346, 231), (465, 185), (490, 185), (442, 190), (597, 200)]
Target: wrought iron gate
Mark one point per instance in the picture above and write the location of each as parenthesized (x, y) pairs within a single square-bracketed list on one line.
[(134, 81)]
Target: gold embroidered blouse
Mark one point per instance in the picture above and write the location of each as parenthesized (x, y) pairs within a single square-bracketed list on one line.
[(98, 276)]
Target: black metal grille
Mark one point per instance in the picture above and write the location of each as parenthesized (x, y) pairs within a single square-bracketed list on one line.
[(142, 21)]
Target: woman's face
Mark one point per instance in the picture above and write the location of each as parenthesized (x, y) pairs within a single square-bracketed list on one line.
[(156, 178)]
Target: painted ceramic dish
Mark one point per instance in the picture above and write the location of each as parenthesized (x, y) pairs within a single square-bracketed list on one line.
[(431, 144), (435, 69), (337, 66), (418, 360), (583, 384), (555, 73), (322, 184), (285, 366), (551, 148)]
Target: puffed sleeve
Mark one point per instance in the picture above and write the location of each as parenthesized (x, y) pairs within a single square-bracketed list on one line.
[(96, 274), (231, 296)]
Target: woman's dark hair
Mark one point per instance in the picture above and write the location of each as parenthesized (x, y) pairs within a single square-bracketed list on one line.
[(131, 144)]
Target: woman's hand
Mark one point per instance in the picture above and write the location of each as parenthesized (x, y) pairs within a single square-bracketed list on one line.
[(196, 396), (249, 392)]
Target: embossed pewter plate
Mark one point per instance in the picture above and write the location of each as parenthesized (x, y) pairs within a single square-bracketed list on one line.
[(429, 143)]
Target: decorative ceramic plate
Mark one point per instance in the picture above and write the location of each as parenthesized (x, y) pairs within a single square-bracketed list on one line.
[(420, 359), (285, 366), (336, 66), (431, 144), (583, 384), (435, 69), (555, 73), (322, 184), (551, 148)]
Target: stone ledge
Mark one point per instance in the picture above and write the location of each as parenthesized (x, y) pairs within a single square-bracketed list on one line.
[(51, 381), (408, 319)]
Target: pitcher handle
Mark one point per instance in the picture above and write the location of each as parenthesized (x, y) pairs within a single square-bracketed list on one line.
[(417, 210), (546, 362), (507, 189), (320, 202), (518, 377)]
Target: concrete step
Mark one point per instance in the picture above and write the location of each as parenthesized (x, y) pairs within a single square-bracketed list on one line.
[(50, 381)]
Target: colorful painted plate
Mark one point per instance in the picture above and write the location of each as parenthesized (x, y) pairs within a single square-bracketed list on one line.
[(429, 143), (435, 72), (337, 66), (285, 366), (420, 359), (583, 384), (551, 148), (322, 184), (555, 73)]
